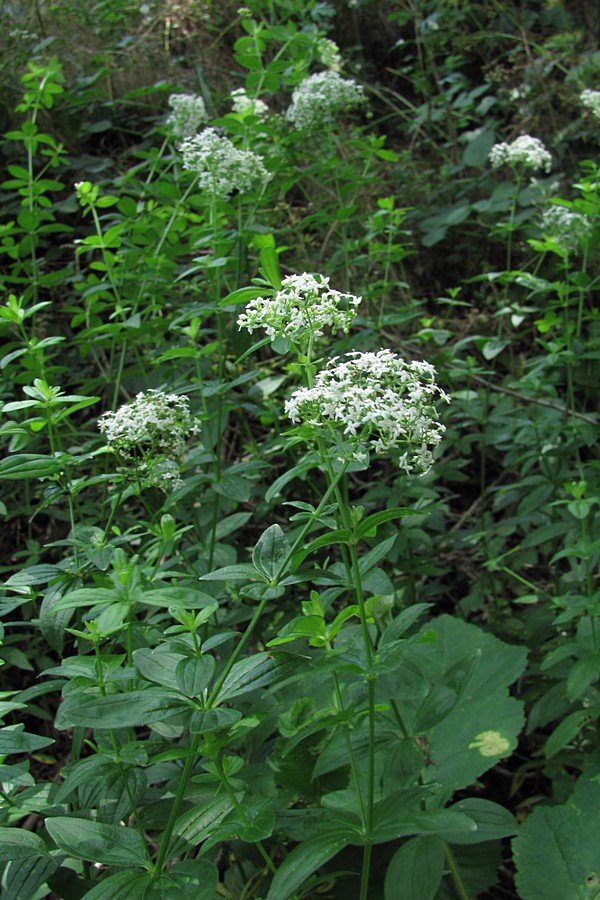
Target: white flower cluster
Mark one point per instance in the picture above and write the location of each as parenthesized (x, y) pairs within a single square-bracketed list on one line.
[(244, 105), (319, 96), (189, 113), (526, 151), (151, 432), (304, 304), (221, 167), (569, 228), (591, 100), (380, 400)]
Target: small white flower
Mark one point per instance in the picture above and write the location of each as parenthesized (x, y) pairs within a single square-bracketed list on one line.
[(221, 167), (150, 432), (526, 151), (189, 113), (244, 105), (305, 304), (379, 400), (569, 228), (319, 96), (591, 100)]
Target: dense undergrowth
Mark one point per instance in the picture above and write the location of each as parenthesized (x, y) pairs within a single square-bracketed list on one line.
[(300, 484)]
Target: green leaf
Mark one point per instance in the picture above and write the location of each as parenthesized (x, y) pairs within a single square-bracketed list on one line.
[(556, 850), (158, 665), (197, 823), (22, 877), (14, 740), (271, 552), (17, 843), (111, 845), (269, 261), (304, 860), (340, 536), (23, 466), (415, 870), (566, 730), (306, 465), (128, 885), (493, 822), (484, 724), (193, 675), (368, 527), (582, 674), (182, 597), (239, 572), (115, 710), (256, 671), (244, 295), (204, 720)]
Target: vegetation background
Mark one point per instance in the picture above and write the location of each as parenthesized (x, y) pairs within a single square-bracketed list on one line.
[(291, 672)]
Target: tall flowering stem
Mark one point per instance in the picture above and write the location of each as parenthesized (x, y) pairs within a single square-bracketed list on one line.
[(365, 403)]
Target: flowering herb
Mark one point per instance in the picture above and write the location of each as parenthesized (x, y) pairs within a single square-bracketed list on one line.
[(244, 105), (150, 432), (591, 100), (221, 167), (305, 304), (569, 228), (319, 96), (526, 152), (189, 113), (379, 401)]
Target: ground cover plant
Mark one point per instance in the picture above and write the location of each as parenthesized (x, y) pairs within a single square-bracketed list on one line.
[(299, 481)]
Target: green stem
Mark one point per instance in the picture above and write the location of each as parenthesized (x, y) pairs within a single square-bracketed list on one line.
[(459, 884)]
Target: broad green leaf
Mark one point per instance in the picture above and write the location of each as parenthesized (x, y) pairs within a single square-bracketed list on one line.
[(17, 843), (116, 710), (181, 597), (306, 465), (484, 724), (269, 261), (332, 538), (22, 877), (239, 572), (583, 673), (23, 466), (244, 295), (271, 553), (197, 823), (304, 860), (254, 672), (193, 675), (493, 822), (112, 845), (14, 740), (566, 730), (368, 527), (205, 720), (415, 870), (158, 665), (557, 851), (128, 885)]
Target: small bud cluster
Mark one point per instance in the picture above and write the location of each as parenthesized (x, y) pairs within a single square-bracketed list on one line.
[(571, 229), (244, 105), (189, 113), (221, 167), (380, 401), (526, 152), (151, 432), (591, 100), (319, 96), (304, 304), (329, 54)]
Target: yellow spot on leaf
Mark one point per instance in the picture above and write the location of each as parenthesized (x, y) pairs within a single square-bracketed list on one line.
[(490, 743)]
